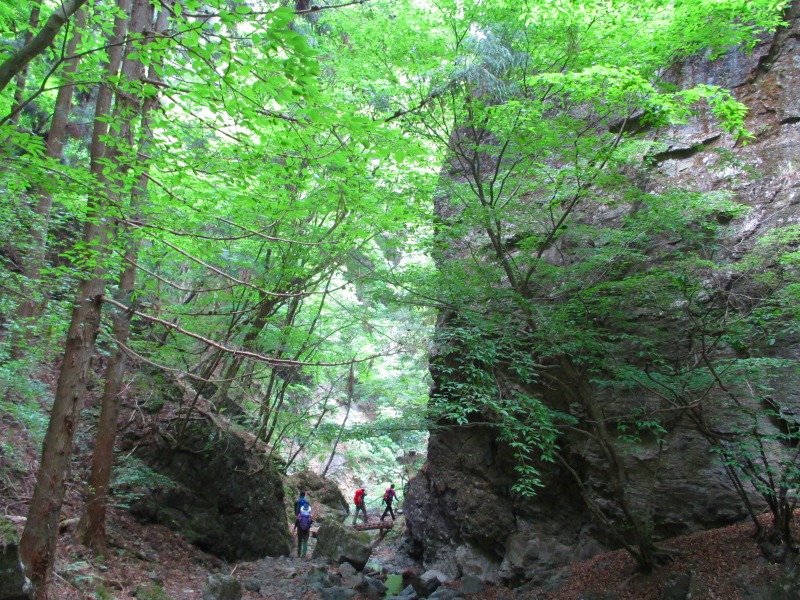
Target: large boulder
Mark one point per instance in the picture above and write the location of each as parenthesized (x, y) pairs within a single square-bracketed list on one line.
[(221, 497), (343, 544), (320, 491)]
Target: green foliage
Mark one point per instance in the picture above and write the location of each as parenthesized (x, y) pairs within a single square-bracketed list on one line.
[(8, 533), (26, 407), (101, 593), (476, 355), (132, 479), (80, 573), (151, 591), (284, 240)]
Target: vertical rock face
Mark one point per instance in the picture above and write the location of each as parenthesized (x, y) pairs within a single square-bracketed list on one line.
[(762, 173), (463, 516), (464, 519)]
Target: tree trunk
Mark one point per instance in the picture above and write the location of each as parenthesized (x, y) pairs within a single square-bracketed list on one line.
[(38, 541), (32, 306), (634, 528), (93, 524), (22, 77)]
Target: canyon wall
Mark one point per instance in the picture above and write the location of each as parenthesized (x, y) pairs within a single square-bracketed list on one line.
[(464, 517)]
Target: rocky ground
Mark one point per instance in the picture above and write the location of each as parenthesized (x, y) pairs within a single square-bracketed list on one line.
[(153, 563)]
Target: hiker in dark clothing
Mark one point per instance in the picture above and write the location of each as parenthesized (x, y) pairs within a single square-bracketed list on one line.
[(389, 496), (300, 503), (302, 525)]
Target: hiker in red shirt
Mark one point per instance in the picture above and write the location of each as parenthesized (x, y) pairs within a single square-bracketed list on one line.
[(359, 502)]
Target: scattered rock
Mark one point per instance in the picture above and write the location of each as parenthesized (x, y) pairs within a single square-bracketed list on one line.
[(322, 491), (251, 584), (677, 586), (432, 580), (371, 587), (470, 584), (444, 593), (350, 576), (408, 593), (337, 593), (411, 579), (222, 587), (317, 579)]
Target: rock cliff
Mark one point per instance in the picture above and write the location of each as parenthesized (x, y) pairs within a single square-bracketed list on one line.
[(464, 517)]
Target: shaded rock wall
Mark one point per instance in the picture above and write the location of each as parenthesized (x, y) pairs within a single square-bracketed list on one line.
[(464, 519), (462, 514)]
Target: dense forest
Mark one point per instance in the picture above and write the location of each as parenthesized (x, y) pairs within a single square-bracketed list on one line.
[(342, 227)]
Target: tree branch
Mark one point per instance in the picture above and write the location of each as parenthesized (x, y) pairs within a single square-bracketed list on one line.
[(244, 353), (16, 62)]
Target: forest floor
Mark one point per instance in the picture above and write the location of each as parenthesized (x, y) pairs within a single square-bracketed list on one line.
[(147, 557), (724, 563)]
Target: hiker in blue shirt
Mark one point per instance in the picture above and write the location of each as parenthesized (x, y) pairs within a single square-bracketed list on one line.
[(300, 503)]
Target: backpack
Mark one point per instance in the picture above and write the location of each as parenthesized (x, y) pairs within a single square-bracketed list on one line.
[(387, 496), (359, 498), (304, 521)]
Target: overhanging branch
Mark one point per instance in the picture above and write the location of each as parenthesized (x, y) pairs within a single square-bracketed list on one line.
[(244, 353), (17, 61)]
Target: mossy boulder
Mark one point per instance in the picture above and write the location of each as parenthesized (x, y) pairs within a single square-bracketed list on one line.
[(12, 580), (343, 544), (226, 500)]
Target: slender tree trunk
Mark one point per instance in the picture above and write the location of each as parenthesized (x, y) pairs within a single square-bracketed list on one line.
[(38, 541), (33, 306), (275, 410), (15, 64), (292, 452), (350, 388), (37, 545), (22, 77), (93, 524), (635, 529), (221, 400)]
